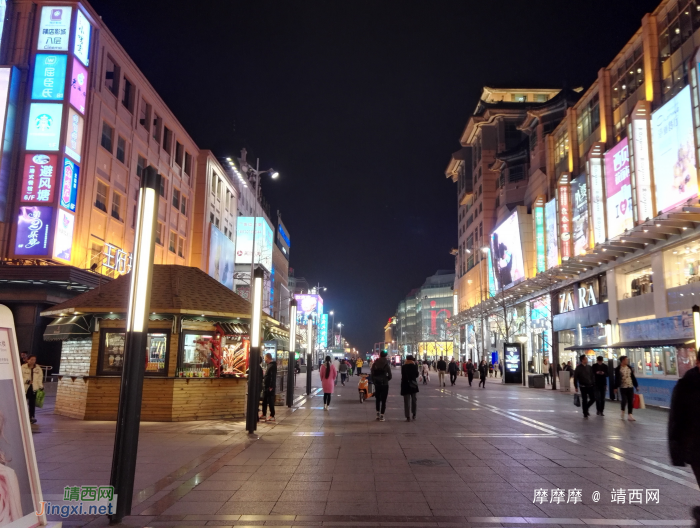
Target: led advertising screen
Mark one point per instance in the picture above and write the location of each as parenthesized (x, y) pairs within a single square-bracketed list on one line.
[(221, 256), (38, 178), (618, 189), (539, 237), (308, 304), (69, 184), (513, 363), (283, 241), (579, 199), (550, 224), (63, 240), (49, 77), (507, 253), (595, 182), (74, 135), (54, 28), (263, 241), (44, 126), (78, 86), (673, 152), (83, 31), (564, 196), (33, 230), (322, 334)]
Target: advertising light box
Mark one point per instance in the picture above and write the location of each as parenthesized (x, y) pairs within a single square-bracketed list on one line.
[(308, 304), (673, 152), (539, 237), (33, 230), (507, 253), (579, 198), (550, 222), (222, 252), (54, 28), (49, 77), (69, 184), (74, 135), (322, 335), (38, 178), (44, 126), (618, 189), (78, 86), (63, 240), (83, 31), (263, 241)]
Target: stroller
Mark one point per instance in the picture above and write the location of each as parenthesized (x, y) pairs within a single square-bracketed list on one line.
[(364, 387)]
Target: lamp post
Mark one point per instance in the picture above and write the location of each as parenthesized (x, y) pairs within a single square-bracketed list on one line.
[(273, 174), (251, 419), (696, 326), (126, 438), (332, 314), (292, 351), (309, 353), (340, 338)]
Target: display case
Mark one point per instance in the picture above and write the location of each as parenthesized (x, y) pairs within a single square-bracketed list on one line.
[(235, 354), (111, 352)]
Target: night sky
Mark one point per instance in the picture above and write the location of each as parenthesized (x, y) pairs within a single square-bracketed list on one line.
[(359, 105)]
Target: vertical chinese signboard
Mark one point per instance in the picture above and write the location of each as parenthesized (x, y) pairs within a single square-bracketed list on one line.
[(595, 181), (540, 245), (564, 217), (47, 199)]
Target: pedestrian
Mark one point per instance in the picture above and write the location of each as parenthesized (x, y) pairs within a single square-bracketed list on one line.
[(409, 387), (358, 366), (600, 373), (441, 368), (351, 366), (569, 369), (425, 369), (381, 375), (328, 375), (545, 370), (343, 369), (626, 383), (470, 372), (33, 382), (583, 379), (483, 371), (453, 369), (269, 387), (684, 425), (500, 368), (23, 356), (336, 364)]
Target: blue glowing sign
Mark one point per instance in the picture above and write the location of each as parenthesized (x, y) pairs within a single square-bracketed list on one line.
[(44, 126), (49, 77), (69, 184)]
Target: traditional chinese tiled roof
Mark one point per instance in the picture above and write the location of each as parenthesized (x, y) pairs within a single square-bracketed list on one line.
[(176, 289)]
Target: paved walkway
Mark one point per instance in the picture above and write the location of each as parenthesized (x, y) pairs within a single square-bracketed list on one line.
[(474, 457)]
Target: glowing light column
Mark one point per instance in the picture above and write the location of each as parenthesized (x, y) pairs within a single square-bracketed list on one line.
[(254, 381), (291, 378), (309, 352)]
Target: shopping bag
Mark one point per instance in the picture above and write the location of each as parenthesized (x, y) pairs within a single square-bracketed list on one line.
[(577, 400), (638, 402), (40, 398)]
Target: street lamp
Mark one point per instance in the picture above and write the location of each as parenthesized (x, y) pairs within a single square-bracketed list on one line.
[(292, 351), (309, 352), (251, 419), (332, 314), (274, 175), (340, 337), (126, 439)]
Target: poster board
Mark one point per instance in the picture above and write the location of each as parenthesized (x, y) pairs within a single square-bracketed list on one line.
[(513, 353), (18, 467)]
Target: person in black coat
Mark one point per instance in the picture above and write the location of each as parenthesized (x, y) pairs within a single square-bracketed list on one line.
[(625, 383), (453, 369), (409, 387), (269, 387), (684, 425), (483, 372)]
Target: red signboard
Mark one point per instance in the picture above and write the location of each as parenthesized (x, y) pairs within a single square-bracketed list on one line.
[(565, 220), (39, 178)]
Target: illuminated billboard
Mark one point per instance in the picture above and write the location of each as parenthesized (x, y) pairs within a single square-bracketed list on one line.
[(263, 241), (564, 202), (74, 135), (550, 221), (595, 175), (78, 86), (38, 178), (322, 333), (221, 257), (69, 184), (507, 253), (44, 126), (579, 199), (54, 28), (282, 239), (49, 77), (83, 31), (618, 189), (308, 304), (63, 240), (538, 212), (673, 149), (33, 230)]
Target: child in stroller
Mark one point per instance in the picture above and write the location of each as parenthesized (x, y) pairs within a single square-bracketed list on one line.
[(364, 387)]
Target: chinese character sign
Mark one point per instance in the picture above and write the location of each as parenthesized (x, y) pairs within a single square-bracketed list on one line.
[(33, 225), (595, 175), (74, 135), (618, 187), (322, 336), (550, 221), (83, 30), (565, 221), (78, 86), (49, 77), (579, 197), (38, 178), (54, 28), (69, 184), (63, 240), (44, 126), (539, 238)]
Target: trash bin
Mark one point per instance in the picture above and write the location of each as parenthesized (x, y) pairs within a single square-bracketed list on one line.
[(535, 381), (564, 381)]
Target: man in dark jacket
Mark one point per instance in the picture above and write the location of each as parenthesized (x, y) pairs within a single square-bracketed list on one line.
[(381, 375), (453, 369), (600, 374), (583, 379), (441, 368), (409, 387), (684, 425), (269, 386), (470, 372), (483, 372)]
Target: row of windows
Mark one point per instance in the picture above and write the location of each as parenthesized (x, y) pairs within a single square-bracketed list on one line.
[(217, 189), (679, 24), (626, 79), (588, 120)]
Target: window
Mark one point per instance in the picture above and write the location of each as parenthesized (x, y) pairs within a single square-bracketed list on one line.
[(128, 95), (540, 98), (181, 247), (143, 114), (179, 149), (516, 173), (163, 186), (188, 163), (159, 234), (588, 119), (519, 98), (213, 183), (111, 352), (173, 242), (167, 139), (176, 198), (228, 199), (121, 149), (513, 136), (226, 231), (133, 218), (112, 75), (101, 196), (216, 222), (627, 77), (156, 127), (140, 166), (116, 205), (107, 136), (183, 205)]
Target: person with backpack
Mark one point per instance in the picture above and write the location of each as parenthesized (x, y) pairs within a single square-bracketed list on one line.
[(381, 375), (328, 375), (409, 387)]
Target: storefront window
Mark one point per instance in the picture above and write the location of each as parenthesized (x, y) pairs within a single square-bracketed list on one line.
[(638, 279), (235, 356), (195, 358), (654, 361), (682, 265), (111, 358)]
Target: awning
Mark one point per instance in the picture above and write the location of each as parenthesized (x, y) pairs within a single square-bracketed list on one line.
[(63, 328), (637, 344), (234, 329)]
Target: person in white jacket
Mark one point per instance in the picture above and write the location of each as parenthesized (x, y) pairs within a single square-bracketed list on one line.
[(33, 382)]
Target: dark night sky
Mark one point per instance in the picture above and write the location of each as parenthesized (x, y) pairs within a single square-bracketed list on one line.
[(359, 106)]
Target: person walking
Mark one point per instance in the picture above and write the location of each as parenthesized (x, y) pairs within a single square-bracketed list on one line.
[(600, 373), (269, 387), (626, 383), (500, 368), (336, 364), (343, 369), (425, 370), (545, 370), (358, 366), (453, 369), (441, 368), (33, 383), (409, 387), (583, 379), (483, 372), (328, 376), (684, 425), (381, 375), (351, 366), (470, 372)]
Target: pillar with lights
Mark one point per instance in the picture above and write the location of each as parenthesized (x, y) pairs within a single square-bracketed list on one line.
[(292, 351), (251, 419)]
